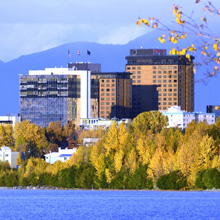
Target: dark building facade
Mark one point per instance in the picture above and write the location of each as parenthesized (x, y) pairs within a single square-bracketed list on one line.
[(115, 94)]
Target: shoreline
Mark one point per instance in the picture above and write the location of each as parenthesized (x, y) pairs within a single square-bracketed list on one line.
[(58, 188)]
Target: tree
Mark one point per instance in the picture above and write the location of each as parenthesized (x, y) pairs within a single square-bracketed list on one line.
[(153, 120), (26, 133), (6, 135), (208, 42)]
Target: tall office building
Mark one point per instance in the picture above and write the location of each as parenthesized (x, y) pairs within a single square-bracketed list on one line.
[(56, 94), (111, 91), (115, 94), (160, 81)]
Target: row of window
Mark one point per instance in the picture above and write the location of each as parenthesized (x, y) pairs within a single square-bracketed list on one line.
[(107, 103), (108, 94), (108, 80), (107, 85), (133, 68), (169, 99), (165, 72), (108, 90), (164, 76), (169, 94), (164, 67), (169, 103)]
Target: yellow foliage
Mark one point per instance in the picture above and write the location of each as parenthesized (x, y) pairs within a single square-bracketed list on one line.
[(132, 161), (118, 160), (215, 46), (109, 176), (100, 165)]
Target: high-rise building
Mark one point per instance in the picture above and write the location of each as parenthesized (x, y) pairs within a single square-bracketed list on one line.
[(54, 94), (115, 94), (160, 81)]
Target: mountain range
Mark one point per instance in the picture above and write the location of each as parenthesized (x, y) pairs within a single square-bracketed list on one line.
[(111, 57)]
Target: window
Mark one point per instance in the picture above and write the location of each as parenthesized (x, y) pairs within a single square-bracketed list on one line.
[(159, 76), (107, 80), (102, 94), (138, 72), (159, 72), (164, 67), (159, 67), (128, 68), (102, 112), (133, 67), (159, 81), (102, 103), (164, 99), (102, 108), (164, 90), (154, 67), (113, 80), (107, 99), (169, 67), (102, 85), (164, 81), (107, 90), (102, 99), (103, 80), (139, 81), (102, 90), (154, 72), (164, 71), (133, 81), (113, 90), (107, 94), (164, 76), (107, 103), (107, 85), (113, 94), (138, 67), (154, 81), (154, 77), (138, 77), (133, 77)]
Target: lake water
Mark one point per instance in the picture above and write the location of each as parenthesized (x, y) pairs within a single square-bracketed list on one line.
[(117, 205)]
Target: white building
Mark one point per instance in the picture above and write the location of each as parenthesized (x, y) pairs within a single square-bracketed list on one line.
[(54, 94), (94, 123), (181, 118), (62, 155), (9, 119), (6, 154)]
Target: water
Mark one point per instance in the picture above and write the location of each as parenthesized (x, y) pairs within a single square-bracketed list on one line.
[(117, 205)]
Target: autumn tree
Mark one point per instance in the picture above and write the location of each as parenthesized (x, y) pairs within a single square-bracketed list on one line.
[(27, 134), (6, 135), (153, 120), (186, 25)]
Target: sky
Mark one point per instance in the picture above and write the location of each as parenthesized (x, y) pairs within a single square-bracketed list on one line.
[(33, 26)]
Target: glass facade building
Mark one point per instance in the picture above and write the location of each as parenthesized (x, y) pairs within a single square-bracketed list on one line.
[(55, 94)]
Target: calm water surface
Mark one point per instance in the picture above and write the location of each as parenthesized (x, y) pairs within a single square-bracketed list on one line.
[(117, 205)]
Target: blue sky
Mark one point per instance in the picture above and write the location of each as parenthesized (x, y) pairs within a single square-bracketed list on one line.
[(31, 26)]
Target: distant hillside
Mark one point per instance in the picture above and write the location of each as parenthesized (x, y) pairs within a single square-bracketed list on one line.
[(111, 57)]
